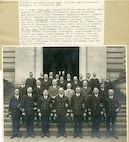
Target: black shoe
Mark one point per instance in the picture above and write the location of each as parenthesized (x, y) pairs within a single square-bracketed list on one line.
[(32, 136), (65, 135), (26, 136), (80, 136), (92, 136), (75, 136), (42, 135), (98, 136), (13, 136), (58, 135), (19, 136), (48, 135), (115, 136)]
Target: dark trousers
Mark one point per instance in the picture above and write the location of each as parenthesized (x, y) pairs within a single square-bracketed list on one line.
[(78, 124), (30, 124), (96, 125), (23, 118), (37, 117), (87, 116), (15, 123), (61, 119), (111, 119), (45, 124)]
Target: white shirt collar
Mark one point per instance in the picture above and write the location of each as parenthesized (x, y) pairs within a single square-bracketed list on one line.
[(29, 94), (61, 95), (111, 97), (45, 97), (77, 94), (17, 97), (85, 87), (23, 85), (54, 86), (38, 86), (96, 95)]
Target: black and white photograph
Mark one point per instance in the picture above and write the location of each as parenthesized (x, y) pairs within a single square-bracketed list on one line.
[(65, 93)]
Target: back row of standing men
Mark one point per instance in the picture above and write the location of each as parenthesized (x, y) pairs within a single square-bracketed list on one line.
[(76, 96)]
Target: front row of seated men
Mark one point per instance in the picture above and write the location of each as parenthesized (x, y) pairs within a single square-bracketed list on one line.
[(76, 104)]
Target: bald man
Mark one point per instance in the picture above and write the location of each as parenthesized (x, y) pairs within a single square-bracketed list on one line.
[(61, 105), (77, 106), (29, 107), (95, 103), (112, 106), (44, 110)]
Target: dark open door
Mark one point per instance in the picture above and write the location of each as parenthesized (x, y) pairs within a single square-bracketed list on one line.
[(57, 59)]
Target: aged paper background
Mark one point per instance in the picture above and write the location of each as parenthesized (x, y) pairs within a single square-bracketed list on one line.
[(116, 24)]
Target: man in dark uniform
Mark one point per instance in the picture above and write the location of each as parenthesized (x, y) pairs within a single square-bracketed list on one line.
[(61, 104), (29, 107), (95, 82), (102, 91), (30, 82), (23, 91), (77, 105), (108, 84), (51, 77), (112, 106), (68, 79), (45, 83), (88, 75), (86, 92), (75, 83), (96, 107), (37, 91), (15, 106), (80, 79), (62, 82), (44, 109)]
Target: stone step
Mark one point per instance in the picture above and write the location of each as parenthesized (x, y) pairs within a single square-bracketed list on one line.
[(117, 120), (69, 131), (68, 125)]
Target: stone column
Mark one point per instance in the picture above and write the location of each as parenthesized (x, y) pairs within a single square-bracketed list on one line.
[(82, 61), (97, 61), (24, 63), (38, 61)]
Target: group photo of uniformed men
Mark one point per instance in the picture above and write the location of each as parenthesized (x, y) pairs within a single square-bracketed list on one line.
[(63, 99)]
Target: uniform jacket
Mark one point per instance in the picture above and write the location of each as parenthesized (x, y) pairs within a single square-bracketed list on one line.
[(111, 105), (46, 84), (95, 104), (74, 85), (45, 105), (86, 92), (23, 90), (31, 82), (89, 82), (29, 104), (76, 104), (38, 92), (62, 84), (95, 83), (60, 107)]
